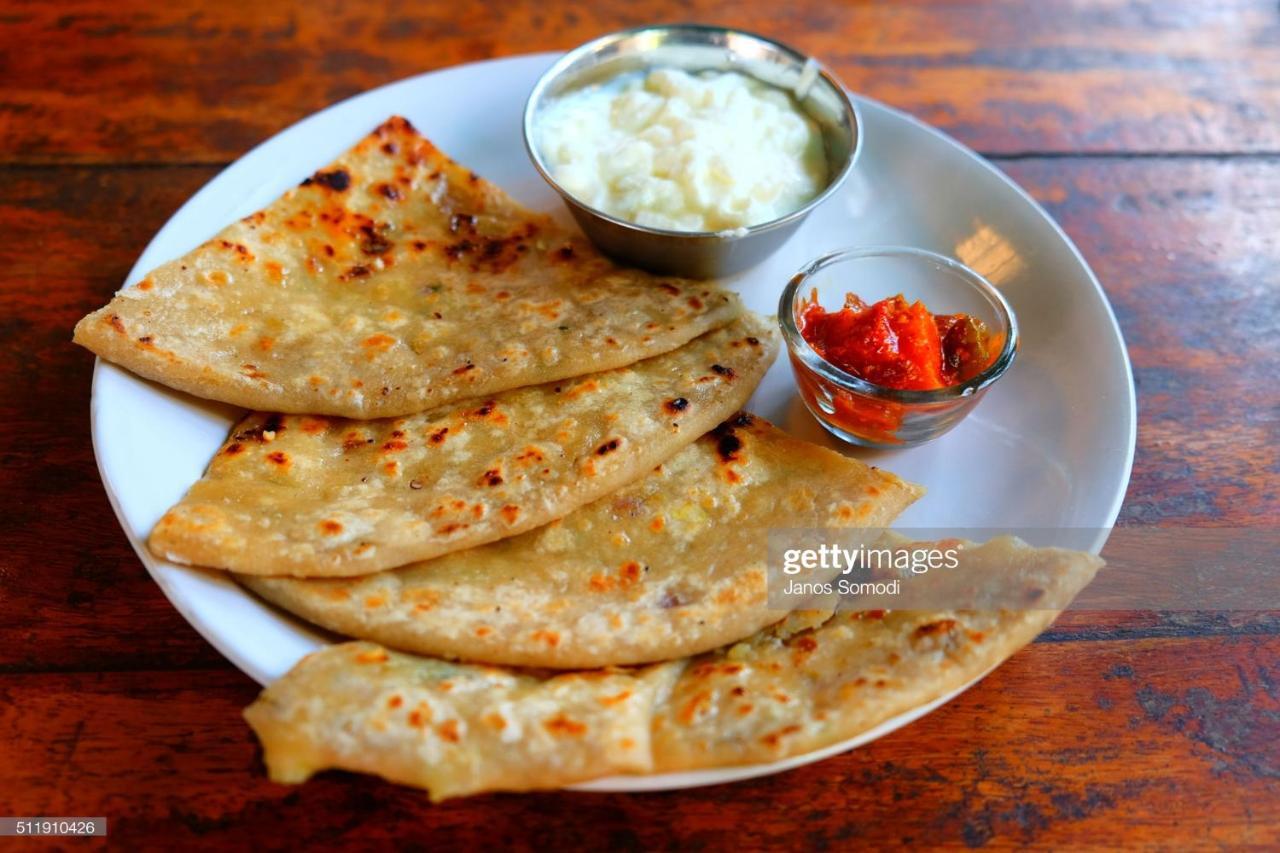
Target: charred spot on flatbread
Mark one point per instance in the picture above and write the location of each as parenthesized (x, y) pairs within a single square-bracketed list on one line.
[(392, 242)]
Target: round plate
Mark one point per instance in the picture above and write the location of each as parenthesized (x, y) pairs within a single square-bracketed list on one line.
[(1050, 446)]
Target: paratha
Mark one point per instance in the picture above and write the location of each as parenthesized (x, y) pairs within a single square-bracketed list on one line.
[(672, 565), (456, 729), (312, 496), (787, 691), (776, 695), (389, 282)]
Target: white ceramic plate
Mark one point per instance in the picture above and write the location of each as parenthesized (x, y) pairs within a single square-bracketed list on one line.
[(1050, 447)]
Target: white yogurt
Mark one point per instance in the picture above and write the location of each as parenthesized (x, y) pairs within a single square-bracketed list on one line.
[(712, 151)]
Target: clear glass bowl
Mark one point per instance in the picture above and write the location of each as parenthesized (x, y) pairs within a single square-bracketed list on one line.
[(861, 412)]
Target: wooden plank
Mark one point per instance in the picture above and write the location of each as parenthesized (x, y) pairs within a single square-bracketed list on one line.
[(72, 592), (1092, 625), (1188, 253), (1186, 249), (1176, 740), (198, 81)]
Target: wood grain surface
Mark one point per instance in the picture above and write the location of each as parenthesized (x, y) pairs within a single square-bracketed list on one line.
[(194, 81), (1150, 130), (1114, 744)]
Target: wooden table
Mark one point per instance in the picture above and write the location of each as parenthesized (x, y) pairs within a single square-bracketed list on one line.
[(1151, 130)]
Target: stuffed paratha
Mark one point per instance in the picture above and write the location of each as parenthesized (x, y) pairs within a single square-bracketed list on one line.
[(311, 496), (672, 565), (775, 696), (456, 729), (781, 693), (392, 281)]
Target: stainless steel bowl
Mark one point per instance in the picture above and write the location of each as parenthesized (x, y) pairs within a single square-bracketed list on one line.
[(700, 254)]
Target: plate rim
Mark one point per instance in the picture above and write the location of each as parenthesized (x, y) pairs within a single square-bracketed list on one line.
[(659, 781), (1131, 388)]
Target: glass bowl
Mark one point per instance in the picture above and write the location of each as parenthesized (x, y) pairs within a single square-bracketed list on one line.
[(870, 415)]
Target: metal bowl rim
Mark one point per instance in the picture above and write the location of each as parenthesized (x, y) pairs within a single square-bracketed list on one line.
[(560, 65)]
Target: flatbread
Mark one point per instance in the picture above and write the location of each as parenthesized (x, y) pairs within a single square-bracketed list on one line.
[(392, 281), (776, 696), (789, 690), (455, 729), (310, 496), (644, 574)]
